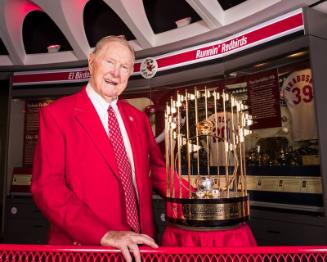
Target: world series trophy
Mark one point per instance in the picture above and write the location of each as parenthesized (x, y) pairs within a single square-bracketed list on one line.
[(204, 135)]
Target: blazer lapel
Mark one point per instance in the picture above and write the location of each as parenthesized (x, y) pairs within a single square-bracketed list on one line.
[(88, 118)]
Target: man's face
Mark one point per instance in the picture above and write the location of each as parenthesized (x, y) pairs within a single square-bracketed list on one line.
[(110, 68)]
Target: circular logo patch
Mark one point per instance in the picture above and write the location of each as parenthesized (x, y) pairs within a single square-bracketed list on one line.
[(149, 67)]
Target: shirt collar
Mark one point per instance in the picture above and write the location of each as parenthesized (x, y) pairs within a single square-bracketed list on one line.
[(98, 101)]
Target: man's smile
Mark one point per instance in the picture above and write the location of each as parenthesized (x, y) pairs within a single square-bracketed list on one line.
[(111, 82)]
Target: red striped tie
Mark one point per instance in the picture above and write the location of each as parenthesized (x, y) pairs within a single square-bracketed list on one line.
[(124, 169)]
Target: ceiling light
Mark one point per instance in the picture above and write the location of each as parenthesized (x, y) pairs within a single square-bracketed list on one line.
[(298, 54), (260, 65), (53, 48), (233, 74), (183, 22)]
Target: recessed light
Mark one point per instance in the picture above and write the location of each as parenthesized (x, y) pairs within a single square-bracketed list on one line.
[(297, 54), (183, 22), (233, 74), (260, 65), (53, 48)]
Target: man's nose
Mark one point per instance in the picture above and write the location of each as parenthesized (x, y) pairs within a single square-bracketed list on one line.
[(116, 71)]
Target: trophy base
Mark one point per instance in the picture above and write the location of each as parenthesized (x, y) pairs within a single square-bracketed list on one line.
[(204, 228), (208, 213)]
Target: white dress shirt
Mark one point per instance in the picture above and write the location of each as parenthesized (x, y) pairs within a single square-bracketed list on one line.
[(101, 106)]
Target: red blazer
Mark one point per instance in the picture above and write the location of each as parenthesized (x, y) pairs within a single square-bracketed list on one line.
[(75, 178)]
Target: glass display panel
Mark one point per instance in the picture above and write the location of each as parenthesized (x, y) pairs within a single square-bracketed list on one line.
[(282, 152)]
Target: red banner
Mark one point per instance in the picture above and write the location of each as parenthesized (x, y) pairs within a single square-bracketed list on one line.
[(287, 24)]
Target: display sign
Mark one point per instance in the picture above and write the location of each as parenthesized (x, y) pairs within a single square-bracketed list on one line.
[(281, 26), (79, 75), (21, 180), (31, 128), (288, 184), (263, 99), (270, 30)]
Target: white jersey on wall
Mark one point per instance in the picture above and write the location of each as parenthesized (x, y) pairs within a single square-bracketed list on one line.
[(298, 94), (217, 142)]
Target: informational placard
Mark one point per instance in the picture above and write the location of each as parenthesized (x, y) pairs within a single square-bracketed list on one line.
[(21, 180), (31, 128), (286, 184), (263, 99)]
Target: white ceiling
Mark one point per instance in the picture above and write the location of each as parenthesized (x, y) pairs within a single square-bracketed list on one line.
[(68, 16)]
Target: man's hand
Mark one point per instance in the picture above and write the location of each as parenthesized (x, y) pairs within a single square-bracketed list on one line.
[(127, 242)]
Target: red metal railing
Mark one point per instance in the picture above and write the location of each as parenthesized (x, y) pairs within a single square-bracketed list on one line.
[(43, 253)]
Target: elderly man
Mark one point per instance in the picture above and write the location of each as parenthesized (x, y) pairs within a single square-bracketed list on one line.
[(96, 160)]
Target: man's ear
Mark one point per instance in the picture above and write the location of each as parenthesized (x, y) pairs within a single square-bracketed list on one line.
[(91, 62)]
